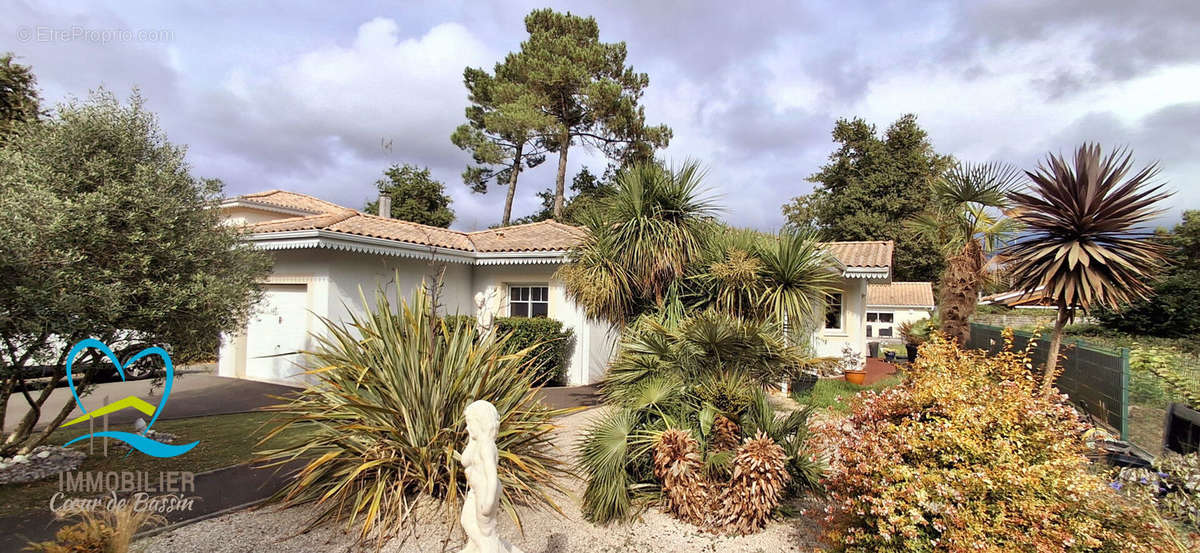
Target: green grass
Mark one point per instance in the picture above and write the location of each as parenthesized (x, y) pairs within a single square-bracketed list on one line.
[(834, 393), (898, 349), (224, 440)]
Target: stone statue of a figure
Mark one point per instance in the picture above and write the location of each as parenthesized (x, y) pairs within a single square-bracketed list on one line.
[(484, 318), (479, 460)]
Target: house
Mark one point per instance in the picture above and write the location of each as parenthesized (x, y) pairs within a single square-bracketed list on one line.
[(327, 255), (892, 304)]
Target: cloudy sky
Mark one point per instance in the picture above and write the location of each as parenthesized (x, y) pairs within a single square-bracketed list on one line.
[(306, 97)]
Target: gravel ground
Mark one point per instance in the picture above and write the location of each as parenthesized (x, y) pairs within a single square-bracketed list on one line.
[(270, 529)]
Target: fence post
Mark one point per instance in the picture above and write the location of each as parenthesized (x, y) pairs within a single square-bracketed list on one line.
[(1124, 394)]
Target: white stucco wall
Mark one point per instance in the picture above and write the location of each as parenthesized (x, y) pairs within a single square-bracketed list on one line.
[(829, 342), (338, 281), (595, 341)]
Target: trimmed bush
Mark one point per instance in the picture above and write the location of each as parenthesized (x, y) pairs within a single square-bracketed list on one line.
[(967, 455), (551, 344)]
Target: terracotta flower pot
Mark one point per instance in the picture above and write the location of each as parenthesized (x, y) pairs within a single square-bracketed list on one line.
[(858, 378)]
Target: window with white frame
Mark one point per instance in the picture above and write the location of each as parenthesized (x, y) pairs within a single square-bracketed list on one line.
[(833, 312), (528, 301), (881, 322)]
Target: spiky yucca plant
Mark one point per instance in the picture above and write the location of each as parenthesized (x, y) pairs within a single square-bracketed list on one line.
[(1083, 247), (100, 531), (385, 418)]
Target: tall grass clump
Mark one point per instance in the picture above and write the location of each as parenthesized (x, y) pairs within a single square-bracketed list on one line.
[(384, 419), (100, 531)]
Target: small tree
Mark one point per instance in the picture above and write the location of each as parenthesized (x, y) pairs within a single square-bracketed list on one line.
[(965, 220), (19, 98), (587, 190), (1082, 247), (416, 196), (105, 233)]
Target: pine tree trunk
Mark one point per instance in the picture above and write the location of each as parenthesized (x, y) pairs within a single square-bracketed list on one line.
[(560, 184), (1055, 344), (512, 186)]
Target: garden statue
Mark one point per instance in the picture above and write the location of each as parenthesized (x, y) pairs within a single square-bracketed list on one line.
[(479, 460), (484, 318)]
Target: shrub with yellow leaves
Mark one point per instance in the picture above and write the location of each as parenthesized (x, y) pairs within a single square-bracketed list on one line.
[(967, 455)]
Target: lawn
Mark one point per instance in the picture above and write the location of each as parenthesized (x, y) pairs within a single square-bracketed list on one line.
[(224, 440), (834, 393)]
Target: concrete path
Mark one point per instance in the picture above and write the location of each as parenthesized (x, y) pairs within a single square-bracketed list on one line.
[(564, 397)]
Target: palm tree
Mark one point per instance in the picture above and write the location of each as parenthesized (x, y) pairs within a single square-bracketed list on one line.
[(783, 278), (640, 241), (1082, 248), (966, 220)]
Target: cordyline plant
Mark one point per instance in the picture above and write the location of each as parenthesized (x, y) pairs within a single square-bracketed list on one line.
[(385, 419), (1082, 248)]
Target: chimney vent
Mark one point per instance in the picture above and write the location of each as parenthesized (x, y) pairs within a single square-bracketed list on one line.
[(385, 206)]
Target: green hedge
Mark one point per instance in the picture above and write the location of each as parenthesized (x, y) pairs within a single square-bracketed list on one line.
[(553, 344)]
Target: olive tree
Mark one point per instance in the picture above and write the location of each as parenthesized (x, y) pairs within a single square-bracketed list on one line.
[(104, 233)]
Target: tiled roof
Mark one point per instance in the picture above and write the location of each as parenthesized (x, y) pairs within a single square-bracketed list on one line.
[(874, 253), (291, 200), (531, 237), (540, 236), (901, 293)]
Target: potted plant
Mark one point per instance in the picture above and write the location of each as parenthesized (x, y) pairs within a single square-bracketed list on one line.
[(852, 366), (915, 333)]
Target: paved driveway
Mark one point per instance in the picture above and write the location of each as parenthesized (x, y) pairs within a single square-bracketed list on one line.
[(193, 394)]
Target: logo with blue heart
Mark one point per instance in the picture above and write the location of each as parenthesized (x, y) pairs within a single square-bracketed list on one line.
[(139, 442)]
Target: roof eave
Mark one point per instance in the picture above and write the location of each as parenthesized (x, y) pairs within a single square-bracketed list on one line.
[(867, 272), (333, 240)]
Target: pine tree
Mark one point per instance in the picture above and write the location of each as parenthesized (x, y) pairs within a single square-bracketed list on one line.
[(585, 86)]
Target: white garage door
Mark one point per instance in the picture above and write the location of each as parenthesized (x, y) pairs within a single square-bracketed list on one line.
[(279, 327)]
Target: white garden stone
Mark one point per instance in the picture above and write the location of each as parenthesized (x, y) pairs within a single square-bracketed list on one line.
[(479, 460)]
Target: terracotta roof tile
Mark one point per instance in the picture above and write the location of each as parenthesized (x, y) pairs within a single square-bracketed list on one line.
[(901, 293), (874, 253), (540, 236), (375, 226), (291, 200)]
